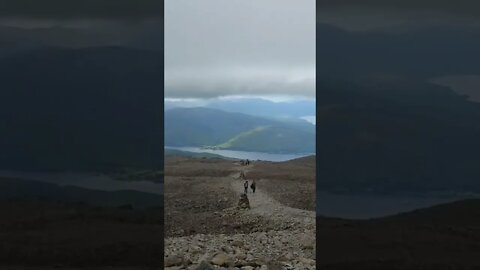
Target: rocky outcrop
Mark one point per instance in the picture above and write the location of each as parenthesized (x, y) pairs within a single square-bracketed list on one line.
[(243, 203), (254, 251)]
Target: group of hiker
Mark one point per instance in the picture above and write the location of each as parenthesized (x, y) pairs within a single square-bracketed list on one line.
[(252, 186), (245, 184), (245, 162)]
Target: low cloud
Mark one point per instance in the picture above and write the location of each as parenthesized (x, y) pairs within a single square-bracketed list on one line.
[(230, 81), (217, 48)]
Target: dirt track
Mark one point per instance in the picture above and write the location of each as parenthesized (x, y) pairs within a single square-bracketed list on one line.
[(202, 220), (262, 204)]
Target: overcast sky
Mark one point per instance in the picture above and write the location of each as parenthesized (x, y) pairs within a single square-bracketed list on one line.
[(395, 14), (219, 48)]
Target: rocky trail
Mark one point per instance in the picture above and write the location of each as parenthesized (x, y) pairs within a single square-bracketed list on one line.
[(264, 205), (288, 243)]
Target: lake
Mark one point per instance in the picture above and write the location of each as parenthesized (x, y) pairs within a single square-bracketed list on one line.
[(243, 154), (86, 180), (374, 206)]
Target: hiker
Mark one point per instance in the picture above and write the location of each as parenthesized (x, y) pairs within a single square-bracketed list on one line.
[(252, 186), (248, 162), (245, 185)]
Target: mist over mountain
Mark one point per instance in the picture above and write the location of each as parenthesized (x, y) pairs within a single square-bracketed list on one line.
[(81, 109), (254, 106), (262, 107), (206, 127)]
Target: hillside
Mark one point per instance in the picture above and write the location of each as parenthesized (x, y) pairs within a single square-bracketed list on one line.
[(179, 153), (395, 136), (205, 127), (46, 226), (440, 237), (265, 108), (28, 190), (203, 220), (94, 108), (414, 53)]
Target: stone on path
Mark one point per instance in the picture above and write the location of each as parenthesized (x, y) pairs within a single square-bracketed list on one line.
[(221, 260), (244, 203), (173, 260), (204, 266)]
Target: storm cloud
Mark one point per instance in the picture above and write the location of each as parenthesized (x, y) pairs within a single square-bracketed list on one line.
[(240, 47)]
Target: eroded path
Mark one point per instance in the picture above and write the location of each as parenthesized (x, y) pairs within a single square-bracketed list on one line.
[(261, 203), (270, 235)]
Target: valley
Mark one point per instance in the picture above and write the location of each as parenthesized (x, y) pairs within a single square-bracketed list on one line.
[(221, 130)]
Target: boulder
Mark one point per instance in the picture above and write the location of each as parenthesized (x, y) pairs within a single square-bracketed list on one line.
[(173, 260), (204, 266), (221, 260)]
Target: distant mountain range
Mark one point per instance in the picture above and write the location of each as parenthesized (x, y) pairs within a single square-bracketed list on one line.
[(22, 189), (22, 39), (383, 127), (203, 155), (423, 53), (206, 127), (397, 136), (81, 109), (258, 107)]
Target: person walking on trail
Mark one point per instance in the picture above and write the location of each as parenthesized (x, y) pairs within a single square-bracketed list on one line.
[(245, 185), (253, 186), (248, 162)]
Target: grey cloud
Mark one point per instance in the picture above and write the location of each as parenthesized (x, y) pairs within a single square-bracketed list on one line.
[(216, 83), (238, 47)]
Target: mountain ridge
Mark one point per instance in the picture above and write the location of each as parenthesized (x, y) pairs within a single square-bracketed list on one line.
[(207, 127), (96, 108)]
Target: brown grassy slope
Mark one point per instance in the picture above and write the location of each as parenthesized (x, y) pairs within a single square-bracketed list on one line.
[(193, 167), (197, 190), (442, 237), (292, 182), (48, 234)]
